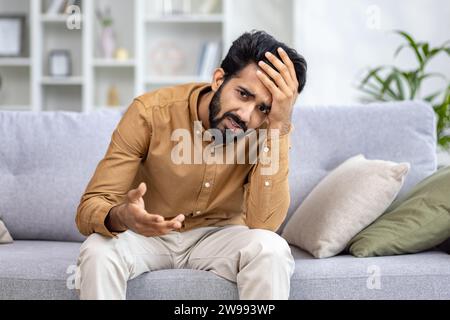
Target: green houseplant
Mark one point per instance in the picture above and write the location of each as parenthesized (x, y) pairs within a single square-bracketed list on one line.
[(391, 83)]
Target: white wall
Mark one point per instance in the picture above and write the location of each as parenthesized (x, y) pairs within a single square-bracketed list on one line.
[(341, 38), (273, 16)]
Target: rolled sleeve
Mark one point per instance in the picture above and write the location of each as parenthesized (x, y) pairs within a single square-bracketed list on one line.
[(267, 192), (115, 173)]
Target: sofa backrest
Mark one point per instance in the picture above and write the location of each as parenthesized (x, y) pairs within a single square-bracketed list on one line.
[(47, 159), (326, 136)]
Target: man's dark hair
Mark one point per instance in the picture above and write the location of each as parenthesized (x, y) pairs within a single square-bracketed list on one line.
[(251, 48)]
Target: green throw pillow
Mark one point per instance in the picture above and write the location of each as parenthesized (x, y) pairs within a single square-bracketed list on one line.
[(417, 222)]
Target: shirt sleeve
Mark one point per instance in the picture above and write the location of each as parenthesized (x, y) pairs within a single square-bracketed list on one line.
[(267, 196), (115, 173)]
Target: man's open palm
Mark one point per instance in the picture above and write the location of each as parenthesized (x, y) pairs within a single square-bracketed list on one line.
[(132, 215)]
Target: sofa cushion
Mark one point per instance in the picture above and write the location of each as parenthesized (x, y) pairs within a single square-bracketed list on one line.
[(42, 270), (46, 270), (346, 201), (36, 269), (418, 222), (325, 136), (46, 161), (424, 275)]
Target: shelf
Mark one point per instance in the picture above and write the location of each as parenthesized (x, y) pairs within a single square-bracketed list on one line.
[(120, 108), (193, 18), (173, 79), (70, 81), (15, 62), (15, 107), (56, 18), (113, 63)]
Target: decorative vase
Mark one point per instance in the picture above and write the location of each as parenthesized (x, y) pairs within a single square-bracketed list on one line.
[(108, 42), (167, 59)]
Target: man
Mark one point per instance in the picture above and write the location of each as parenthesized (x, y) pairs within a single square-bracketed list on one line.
[(146, 210)]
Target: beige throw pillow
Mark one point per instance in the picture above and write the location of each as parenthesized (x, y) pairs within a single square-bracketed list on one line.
[(346, 201), (5, 237)]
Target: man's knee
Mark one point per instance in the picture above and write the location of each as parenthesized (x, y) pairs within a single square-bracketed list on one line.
[(98, 249), (269, 243)]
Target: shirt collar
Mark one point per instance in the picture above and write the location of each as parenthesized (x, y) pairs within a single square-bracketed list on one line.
[(194, 100)]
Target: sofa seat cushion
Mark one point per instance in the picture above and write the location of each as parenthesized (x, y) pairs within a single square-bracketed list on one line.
[(38, 270), (424, 275), (41, 270)]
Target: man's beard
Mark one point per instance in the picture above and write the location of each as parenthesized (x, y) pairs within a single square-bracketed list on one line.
[(214, 121)]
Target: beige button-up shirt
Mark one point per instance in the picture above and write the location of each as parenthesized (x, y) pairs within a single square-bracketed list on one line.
[(208, 192)]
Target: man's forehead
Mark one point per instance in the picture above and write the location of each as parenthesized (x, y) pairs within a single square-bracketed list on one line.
[(248, 80)]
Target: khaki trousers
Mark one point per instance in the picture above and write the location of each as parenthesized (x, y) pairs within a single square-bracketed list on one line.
[(259, 261)]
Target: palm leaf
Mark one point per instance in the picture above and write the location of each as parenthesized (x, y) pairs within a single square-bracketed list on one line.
[(399, 84), (412, 45), (432, 96), (444, 142), (387, 86), (370, 74)]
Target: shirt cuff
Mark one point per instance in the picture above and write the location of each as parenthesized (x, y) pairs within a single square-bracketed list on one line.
[(98, 220)]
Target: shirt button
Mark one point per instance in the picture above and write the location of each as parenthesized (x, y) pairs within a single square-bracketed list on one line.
[(198, 212), (266, 149), (267, 183), (207, 185), (198, 132)]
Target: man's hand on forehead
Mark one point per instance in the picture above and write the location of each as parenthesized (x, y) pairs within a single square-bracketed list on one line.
[(283, 85)]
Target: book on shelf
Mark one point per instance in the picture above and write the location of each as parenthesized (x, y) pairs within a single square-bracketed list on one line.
[(209, 6), (209, 59), (55, 7)]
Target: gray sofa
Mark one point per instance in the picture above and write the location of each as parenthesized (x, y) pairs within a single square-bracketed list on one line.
[(46, 160)]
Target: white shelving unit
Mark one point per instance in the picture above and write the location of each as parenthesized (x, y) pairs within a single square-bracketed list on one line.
[(112, 63), (181, 34), (193, 18), (15, 62), (16, 72), (140, 28), (56, 18), (69, 81), (167, 80)]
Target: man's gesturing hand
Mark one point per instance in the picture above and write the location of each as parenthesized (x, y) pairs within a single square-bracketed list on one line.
[(283, 85), (132, 215)]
